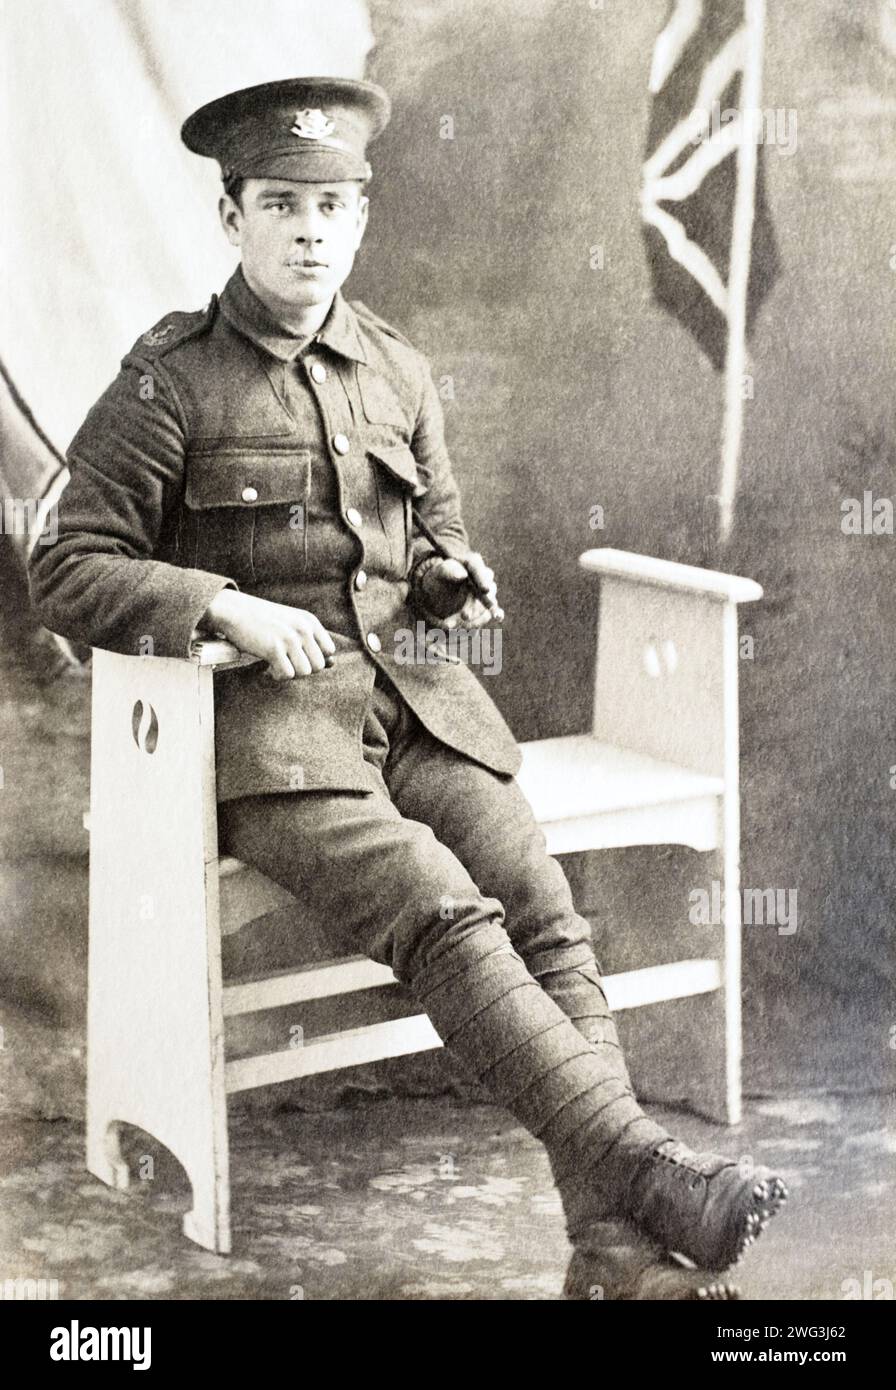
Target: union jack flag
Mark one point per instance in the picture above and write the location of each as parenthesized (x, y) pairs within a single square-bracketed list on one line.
[(691, 166)]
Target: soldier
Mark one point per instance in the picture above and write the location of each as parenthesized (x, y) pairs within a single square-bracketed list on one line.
[(255, 471)]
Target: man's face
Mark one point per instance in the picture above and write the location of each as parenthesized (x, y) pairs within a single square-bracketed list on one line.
[(298, 240)]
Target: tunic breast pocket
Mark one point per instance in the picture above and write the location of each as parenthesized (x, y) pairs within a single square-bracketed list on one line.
[(246, 512), (397, 484)]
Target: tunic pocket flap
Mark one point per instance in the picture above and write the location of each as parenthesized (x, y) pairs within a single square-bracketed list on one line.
[(400, 462), (244, 479)]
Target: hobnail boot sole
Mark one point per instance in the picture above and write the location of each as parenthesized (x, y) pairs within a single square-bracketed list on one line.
[(766, 1199), (745, 1218)]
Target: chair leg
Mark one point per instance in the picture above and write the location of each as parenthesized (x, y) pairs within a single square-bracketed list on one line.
[(208, 1221), (155, 1030), (714, 1085), (732, 948), (715, 1065), (104, 1156)]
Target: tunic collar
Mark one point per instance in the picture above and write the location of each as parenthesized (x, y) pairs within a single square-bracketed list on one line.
[(244, 310)]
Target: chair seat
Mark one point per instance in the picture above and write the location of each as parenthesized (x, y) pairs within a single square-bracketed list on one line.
[(585, 795), (592, 795)]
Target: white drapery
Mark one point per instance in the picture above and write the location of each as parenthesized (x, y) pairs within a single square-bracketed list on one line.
[(109, 222)]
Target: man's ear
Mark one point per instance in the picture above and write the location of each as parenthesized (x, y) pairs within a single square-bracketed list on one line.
[(363, 209), (231, 217)]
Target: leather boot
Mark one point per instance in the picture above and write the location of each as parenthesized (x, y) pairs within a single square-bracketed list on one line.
[(707, 1207), (702, 1205), (615, 1261)]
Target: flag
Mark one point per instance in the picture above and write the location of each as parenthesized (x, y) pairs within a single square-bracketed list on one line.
[(700, 69)]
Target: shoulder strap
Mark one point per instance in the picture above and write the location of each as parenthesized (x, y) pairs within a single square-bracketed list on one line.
[(369, 316), (173, 330)]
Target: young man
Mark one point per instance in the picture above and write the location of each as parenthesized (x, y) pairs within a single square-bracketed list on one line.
[(254, 471)]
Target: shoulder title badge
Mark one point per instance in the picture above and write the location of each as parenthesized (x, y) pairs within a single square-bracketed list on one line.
[(158, 335)]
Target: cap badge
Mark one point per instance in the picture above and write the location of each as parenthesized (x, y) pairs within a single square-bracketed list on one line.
[(312, 124)]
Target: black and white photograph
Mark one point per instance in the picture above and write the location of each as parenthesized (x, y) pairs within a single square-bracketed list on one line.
[(447, 735)]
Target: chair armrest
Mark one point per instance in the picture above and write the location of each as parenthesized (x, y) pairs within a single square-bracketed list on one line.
[(215, 651), (666, 574)]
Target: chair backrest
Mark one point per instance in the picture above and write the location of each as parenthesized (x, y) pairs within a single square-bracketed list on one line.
[(667, 659)]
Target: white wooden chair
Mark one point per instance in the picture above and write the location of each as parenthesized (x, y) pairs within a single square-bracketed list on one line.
[(659, 766)]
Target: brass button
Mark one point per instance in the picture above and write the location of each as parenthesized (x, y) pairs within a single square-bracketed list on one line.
[(354, 516), (318, 372), (360, 579), (250, 494), (374, 642), (341, 444)]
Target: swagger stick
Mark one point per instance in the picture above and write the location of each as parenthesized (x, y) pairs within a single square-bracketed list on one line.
[(496, 612)]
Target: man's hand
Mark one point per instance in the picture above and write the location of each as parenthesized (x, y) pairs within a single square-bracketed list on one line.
[(290, 640), (447, 589)]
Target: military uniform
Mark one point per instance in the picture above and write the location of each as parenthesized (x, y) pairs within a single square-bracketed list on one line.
[(225, 452), (229, 452)]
